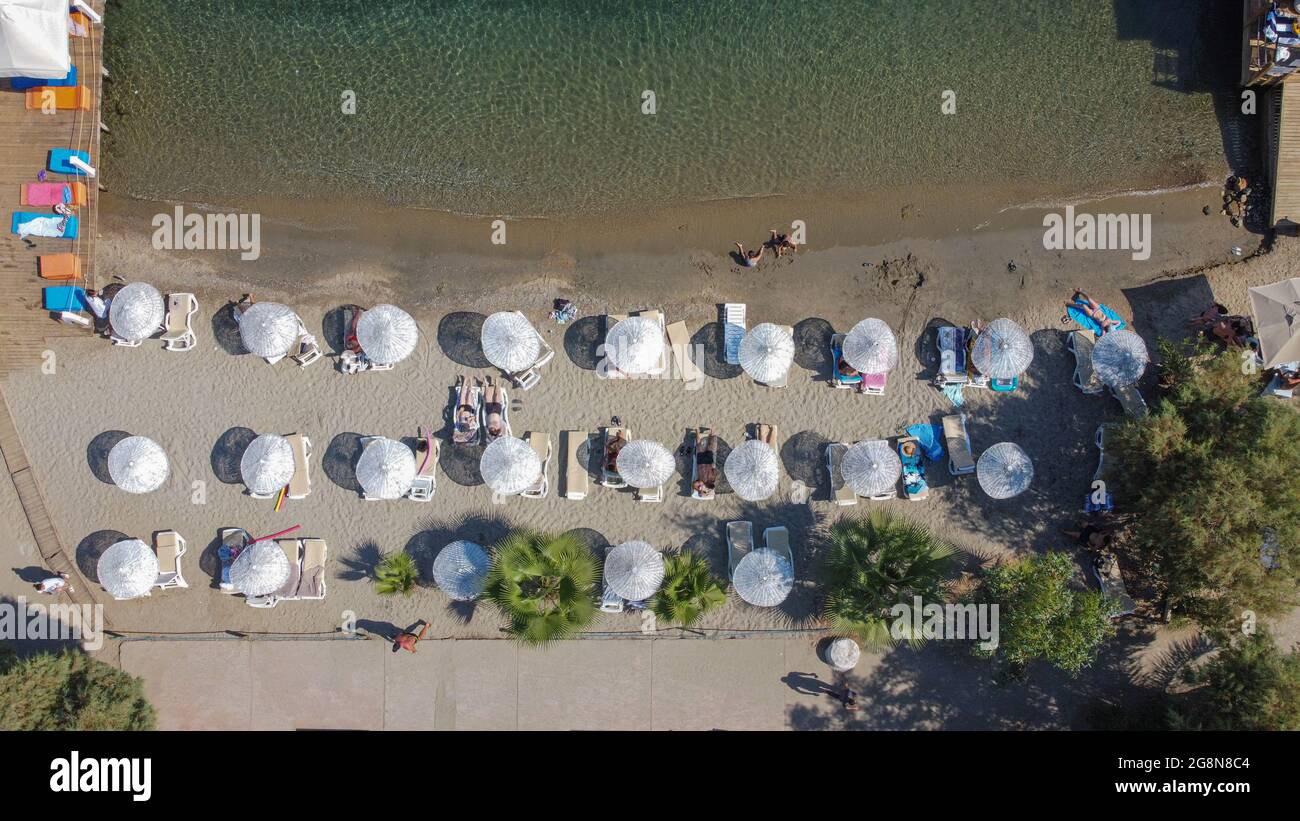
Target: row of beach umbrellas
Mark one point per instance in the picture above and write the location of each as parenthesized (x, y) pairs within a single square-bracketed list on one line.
[(386, 333)]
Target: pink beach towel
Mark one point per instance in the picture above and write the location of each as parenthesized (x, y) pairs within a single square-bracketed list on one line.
[(49, 193)]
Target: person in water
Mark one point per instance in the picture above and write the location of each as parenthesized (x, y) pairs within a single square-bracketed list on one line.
[(750, 258), (782, 243)]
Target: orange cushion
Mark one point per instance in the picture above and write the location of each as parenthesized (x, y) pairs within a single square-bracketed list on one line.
[(59, 266), (65, 98)]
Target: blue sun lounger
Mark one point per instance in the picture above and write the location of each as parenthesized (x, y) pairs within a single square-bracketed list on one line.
[(20, 217), (24, 83), (64, 298), (1088, 323), (59, 161)]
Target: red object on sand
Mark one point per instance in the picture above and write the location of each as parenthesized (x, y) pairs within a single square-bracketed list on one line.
[(277, 535)]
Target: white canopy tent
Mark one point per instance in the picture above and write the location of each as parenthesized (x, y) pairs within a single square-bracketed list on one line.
[(34, 39)]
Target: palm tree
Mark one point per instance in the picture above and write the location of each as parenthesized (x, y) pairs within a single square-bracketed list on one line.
[(545, 585), (878, 561), (689, 590), (396, 573)]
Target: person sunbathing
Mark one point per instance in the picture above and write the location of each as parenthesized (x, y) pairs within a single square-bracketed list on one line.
[(493, 398), (1207, 318), (706, 472), (612, 449), (1091, 309), (466, 413), (1288, 378)]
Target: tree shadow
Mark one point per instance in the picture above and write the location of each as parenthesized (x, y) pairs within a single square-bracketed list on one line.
[(92, 547), (582, 341), (226, 331), (227, 453), (97, 453), (340, 461), (361, 562), (459, 337), (710, 342), (812, 346)]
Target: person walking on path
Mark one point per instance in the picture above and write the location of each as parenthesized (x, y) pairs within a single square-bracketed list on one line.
[(53, 584), (407, 640)]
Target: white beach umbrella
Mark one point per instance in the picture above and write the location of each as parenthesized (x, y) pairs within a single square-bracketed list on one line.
[(635, 344), (763, 578), (634, 570), (267, 464), (870, 347), (136, 311), (1276, 309), (844, 654), (1119, 358), (461, 569), (137, 464), (1004, 470), (386, 469), (128, 569), (753, 470), (268, 329), (510, 342), (644, 463), (387, 334), (260, 569), (510, 465), (1002, 350), (766, 351), (871, 468)]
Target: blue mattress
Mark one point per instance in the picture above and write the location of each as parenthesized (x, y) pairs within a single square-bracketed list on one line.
[(24, 83), (1088, 323), (69, 230), (59, 161), (65, 298)]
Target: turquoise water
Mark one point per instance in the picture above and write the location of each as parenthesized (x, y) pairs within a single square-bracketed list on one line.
[(536, 107)]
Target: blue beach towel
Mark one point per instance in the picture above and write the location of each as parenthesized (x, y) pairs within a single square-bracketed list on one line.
[(930, 438), (65, 298), (25, 221), (1088, 323), (59, 161), (953, 392), (24, 83)]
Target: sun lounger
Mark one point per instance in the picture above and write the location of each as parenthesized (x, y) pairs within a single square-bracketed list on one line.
[(740, 541), (233, 540), (610, 478), (777, 540), (307, 348), (733, 330), (1089, 324), (839, 380), (658, 317), (785, 377), (653, 494), (466, 411), (952, 356), (1091, 502), (915, 488), (610, 602), (170, 547), (573, 469), (530, 376), (1105, 568), (699, 436), (59, 161), (425, 483), (289, 590), (47, 225), (1081, 344), (541, 443), (62, 98), (1131, 400), (874, 383), (63, 266), (1274, 387), (48, 194), (315, 553), (679, 340), (842, 493), (25, 83), (960, 459), (178, 328), (300, 482), (64, 298), (498, 418)]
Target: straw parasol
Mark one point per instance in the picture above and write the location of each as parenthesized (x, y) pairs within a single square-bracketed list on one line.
[(509, 341), (1004, 470), (268, 329), (260, 569), (871, 468), (1119, 358), (1276, 309), (387, 334), (1002, 350), (753, 470), (137, 464), (843, 654), (763, 578), (644, 463), (635, 344), (385, 469), (634, 570), (461, 569), (128, 569), (510, 465), (870, 347), (136, 312), (766, 351), (267, 464)]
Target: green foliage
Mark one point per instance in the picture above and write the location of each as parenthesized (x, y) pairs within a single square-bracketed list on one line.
[(70, 691), (545, 585), (396, 573), (1250, 685), (1208, 476), (878, 561), (688, 592), (1041, 616)]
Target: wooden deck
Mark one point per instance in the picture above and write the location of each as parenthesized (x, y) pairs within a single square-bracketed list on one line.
[(1284, 153), (26, 138)]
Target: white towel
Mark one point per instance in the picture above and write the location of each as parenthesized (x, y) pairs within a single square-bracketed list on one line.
[(43, 227)]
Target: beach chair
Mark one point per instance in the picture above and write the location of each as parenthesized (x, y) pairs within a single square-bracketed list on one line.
[(654, 494), (63, 98), (610, 602), (1274, 387), (490, 417), (289, 590), (610, 478), (699, 436), (1100, 475), (1105, 568), (170, 547), (541, 444), (733, 330), (300, 482), (178, 328), (62, 267), (311, 586), (951, 341), (839, 380), (425, 483), (777, 540), (307, 348), (960, 459), (740, 541), (25, 83), (609, 371), (466, 428), (1085, 379), (840, 491), (233, 540), (658, 317), (679, 340), (915, 488), (573, 470), (1130, 400), (530, 376)]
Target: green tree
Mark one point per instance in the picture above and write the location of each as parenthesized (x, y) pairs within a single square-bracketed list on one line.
[(1209, 477), (545, 585), (1041, 616), (396, 573), (689, 590), (69, 691), (1250, 685), (875, 562)]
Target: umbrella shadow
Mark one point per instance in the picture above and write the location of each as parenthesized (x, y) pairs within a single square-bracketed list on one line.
[(926, 348), (460, 463), (92, 547), (433, 534), (227, 452), (333, 328), (709, 343), (582, 341), (226, 331), (340, 461), (812, 345), (97, 453), (459, 337), (706, 545), (803, 456), (595, 541)]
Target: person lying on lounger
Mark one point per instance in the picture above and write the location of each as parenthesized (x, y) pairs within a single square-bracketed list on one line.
[(1231, 330), (611, 451), (706, 472), (492, 405), (466, 413), (1090, 308)]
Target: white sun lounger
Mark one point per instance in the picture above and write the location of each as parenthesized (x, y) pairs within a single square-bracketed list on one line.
[(658, 317), (311, 585), (484, 416), (1105, 568), (530, 376), (425, 482), (654, 494), (785, 377), (300, 482), (178, 327), (610, 602), (170, 547), (610, 478), (679, 340), (307, 349), (777, 540), (289, 590), (733, 330), (740, 541), (843, 494), (572, 468), (541, 443), (960, 459), (1085, 379), (1130, 400), (462, 435)]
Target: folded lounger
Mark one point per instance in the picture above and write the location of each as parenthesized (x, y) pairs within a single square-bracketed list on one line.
[(575, 472), (680, 341), (315, 553), (64, 266), (541, 443), (25, 83), (740, 541), (64, 98), (178, 326), (26, 223), (48, 194), (59, 161), (960, 459)]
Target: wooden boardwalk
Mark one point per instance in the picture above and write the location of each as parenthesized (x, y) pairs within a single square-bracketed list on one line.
[(26, 138), (1284, 153)]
